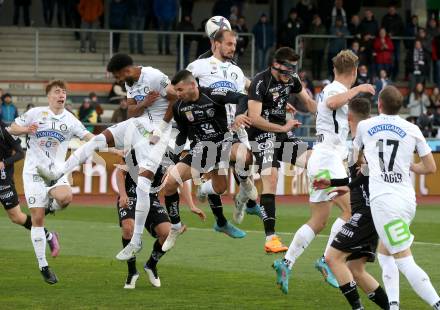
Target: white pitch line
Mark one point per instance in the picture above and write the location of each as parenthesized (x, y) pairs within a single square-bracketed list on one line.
[(291, 234)]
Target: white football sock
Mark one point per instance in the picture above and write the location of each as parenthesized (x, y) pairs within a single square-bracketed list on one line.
[(207, 189), (418, 279), (303, 237), (336, 227), (176, 226), (142, 209), (83, 152), (38, 238), (390, 277)]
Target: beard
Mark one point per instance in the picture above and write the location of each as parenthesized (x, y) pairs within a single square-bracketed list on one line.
[(130, 81)]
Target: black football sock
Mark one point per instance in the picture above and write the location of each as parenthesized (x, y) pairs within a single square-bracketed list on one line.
[(267, 206), (251, 203), (380, 298), (156, 254), (131, 263), (28, 223), (215, 203), (349, 290), (172, 205)]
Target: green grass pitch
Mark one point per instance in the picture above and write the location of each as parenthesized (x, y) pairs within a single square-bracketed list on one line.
[(206, 270)]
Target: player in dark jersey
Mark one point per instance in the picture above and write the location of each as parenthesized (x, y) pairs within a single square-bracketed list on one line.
[(356, 242), (200, 116), (271, 134), (157, 223), (11, 152)]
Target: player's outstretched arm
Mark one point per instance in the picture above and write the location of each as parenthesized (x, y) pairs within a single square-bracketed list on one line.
[(18, 130), (425, 166), (336, 101), (254, 112)]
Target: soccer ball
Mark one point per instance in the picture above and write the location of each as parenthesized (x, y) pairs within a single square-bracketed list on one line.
[(216, 23)]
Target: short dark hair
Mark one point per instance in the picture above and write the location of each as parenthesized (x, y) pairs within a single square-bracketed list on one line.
[(391, 99), (284, 54), (60, 83), (119, 62), (220, 35), (182, 75), (361, 107)]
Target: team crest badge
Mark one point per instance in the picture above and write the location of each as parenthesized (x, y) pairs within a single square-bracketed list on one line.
[(189, 116), (210, 112)]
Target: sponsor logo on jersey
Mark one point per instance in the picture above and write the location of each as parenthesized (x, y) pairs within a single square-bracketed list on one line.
[(139, 98), (234, 75), (50, 134), (189, 116), (387, 127), (210, 112), (223, 85), (207, 128)]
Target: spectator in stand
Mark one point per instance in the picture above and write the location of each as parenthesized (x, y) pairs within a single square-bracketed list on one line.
[(427, 46), (150, 18), (87, 114), (1, 92), (120, 114), (306, 10), (317, 46), (380, 84), (290, 29), (435, 98), (432, 30), (369, 24), (186, 6), (424, 121), (383, 49), (411, 30), (339, 12), (90, 11), (96, 105), (436, 122), (418, 101), (8, 111), (416, 62), (137, 9), (366, 50), (242, 41), (166, 12), (354, 27), (203, 42), (185, 25), (307, 82), (68, 106), (222, 8), (116, 92), (25, 4), (233, 14), (336, 44), (264, 41), (362, 77), (302, 114), (118, 21), (355, 48), (393, 24), (436, 58)]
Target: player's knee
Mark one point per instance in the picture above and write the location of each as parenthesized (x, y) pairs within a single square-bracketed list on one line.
[(65, 200), (219, 187), (318, 224), (127, 231), (357, 271)]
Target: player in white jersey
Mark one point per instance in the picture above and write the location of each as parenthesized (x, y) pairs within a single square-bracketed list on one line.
[(327, 161), (49, 131), (146, 131), (388, 143)]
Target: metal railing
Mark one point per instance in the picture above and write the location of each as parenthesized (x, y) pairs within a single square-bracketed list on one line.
[(299, 42), (110, 33)]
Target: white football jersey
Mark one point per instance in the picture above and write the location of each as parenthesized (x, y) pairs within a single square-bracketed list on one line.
[(388, 143), (216, 74), (332, 124), (52, 137), (150, 80)]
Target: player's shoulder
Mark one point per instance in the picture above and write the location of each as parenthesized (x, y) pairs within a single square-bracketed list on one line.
[(38, 112), (334, 88), (150, 73)]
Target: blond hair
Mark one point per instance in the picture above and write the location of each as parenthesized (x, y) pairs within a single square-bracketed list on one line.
[(345, 61)]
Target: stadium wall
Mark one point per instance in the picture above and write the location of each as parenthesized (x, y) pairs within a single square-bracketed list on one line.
[(99, 178)]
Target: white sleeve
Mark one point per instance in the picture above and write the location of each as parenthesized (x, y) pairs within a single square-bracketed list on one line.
[(357, 142), (78, 128), (27, 118), (193, 68), (159, 82), (422, 146), (241, 84)]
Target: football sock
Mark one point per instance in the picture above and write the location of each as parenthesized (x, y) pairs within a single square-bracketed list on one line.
[(142, 209), (349, 290), (379, 297), (215, 203), (207, 189), (436, 306), (390, 277), (267, 206), (251, 203), (83, 152), (336, 227), (131, 263), (156, 254), (301, 240), (48, 234), (28, 223), (418, 279), (172, 205), (39, 242)]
